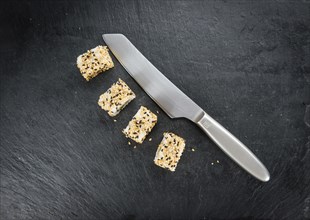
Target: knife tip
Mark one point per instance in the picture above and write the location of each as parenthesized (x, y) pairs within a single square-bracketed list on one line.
[(265, 177)]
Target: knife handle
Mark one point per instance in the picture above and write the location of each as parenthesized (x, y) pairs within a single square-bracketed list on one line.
[(233, 147)]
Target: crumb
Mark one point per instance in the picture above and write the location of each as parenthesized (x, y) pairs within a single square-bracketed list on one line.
[(115, 120), (129, 143), (150, 139), (157, 112), (217, 161), (212, 164), (193, 149), (134, 146)]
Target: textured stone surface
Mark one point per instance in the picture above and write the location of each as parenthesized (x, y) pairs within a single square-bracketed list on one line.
[(246, 63)]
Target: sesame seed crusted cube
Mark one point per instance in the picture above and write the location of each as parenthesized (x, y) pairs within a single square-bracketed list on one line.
[(116, 98), (140, 125), (94, 61), (169, 151)]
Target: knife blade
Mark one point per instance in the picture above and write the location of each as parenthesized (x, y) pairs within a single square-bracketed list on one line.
[(178, 105)]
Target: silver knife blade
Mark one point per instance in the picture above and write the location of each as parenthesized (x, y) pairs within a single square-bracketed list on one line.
[(169, 97), (176, 104)]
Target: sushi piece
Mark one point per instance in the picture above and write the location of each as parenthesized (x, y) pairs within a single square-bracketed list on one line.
[(94, 61), (169, 151), (116, 98), (140, 125)]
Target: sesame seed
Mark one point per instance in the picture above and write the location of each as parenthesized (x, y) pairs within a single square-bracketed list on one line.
[(217, 161), (150, 139), (115, 120), (212, 164), (129, 143)]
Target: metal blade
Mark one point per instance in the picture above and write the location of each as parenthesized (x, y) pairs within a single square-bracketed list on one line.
[(171, 99)]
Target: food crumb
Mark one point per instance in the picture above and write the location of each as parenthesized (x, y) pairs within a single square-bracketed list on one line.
[(212, 164), (217, 161), (150, 139), (134, 146), (129, 143), (157, 112), (115, 120), (193, 149)]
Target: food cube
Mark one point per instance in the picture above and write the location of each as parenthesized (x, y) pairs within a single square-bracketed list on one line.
[(94, 61), (169, 151), (140, 125), (116, 98)]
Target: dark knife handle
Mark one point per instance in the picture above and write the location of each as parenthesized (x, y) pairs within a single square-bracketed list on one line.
[(233, 147)]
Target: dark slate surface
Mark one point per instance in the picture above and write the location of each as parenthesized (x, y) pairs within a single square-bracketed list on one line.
[(246, 63)]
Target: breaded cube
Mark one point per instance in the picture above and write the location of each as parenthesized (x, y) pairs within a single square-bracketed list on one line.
[(94, 61), (169, 151), (116, 98), (140, 125)]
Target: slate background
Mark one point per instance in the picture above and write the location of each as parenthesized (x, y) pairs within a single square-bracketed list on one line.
[(247, 63)]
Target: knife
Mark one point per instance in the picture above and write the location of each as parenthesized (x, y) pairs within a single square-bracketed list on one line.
[(178, 105)]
